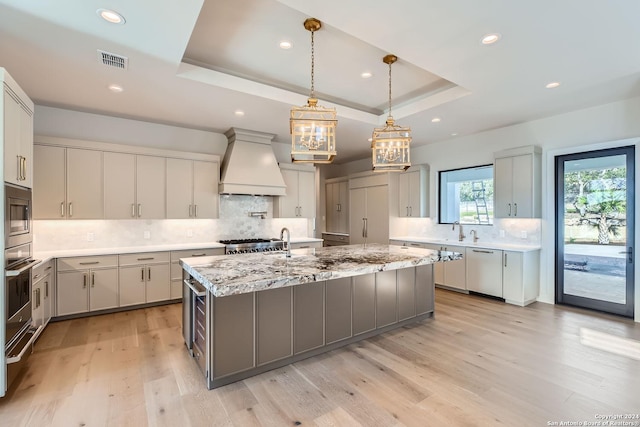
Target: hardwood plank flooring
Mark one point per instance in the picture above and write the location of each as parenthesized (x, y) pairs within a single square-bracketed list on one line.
[(479, 362)]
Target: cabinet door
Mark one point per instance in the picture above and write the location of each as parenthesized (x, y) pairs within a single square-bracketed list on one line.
[(424, 289), (512, 275), (386, 298), (364, 303), (378, 215), (205, 189), (273, 324), (47, 297), (179, 189), (176, 289), (158, 282), (49, 182), (523, 186), (151, 187), (12, 169), (132, 285), (342, 219), (287, 205), (84, 184), (403, 194), (484, 271), (26, 146), (306, 194), (119, 185), (308, 312), (331, 204), (455, 271), (103, 291), (357, 211), (37, 303), (415, 208), (503, 188), (406, 293), (233, 348), (338, 309), (72, 292)]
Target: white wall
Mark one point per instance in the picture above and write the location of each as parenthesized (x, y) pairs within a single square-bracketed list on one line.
[(596, 127)]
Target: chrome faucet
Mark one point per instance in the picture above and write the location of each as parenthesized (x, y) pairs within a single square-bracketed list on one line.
[(461, 235), (288, 240), (475, 235)]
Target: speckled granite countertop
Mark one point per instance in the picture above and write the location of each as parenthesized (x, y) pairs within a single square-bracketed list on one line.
[(238, 274)]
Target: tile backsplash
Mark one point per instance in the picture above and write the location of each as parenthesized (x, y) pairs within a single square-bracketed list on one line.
[(234, 222)]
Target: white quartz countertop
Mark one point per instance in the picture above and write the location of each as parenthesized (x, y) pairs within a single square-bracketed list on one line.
[(238, 274), (469, 243)]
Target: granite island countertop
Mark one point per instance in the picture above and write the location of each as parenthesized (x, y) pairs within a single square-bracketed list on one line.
[(227, 275)]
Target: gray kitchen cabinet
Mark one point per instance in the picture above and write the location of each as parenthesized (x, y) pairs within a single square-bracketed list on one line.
[(233, 348), (144, 278), (451, 274), (413, 192), (369, 215), (337, 205), (176, 269), (308, 312), (425, 298), (484, 271), (364, 303), (273, 325), (517, 183), (86, 284), (192, 189), (151, 179), (407, 293), (17, 134), (386, 298), (520, 277), (120, 186), (68, 183), (338, 298), (300, 199)]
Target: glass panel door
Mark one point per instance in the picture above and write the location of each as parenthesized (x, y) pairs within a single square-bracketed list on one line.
[(595, 229)]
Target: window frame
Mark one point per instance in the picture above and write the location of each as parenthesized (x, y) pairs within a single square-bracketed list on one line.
[(439, 188)]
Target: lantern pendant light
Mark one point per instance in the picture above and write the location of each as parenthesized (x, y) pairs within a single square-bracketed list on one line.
[(390, 145), (313, 127)]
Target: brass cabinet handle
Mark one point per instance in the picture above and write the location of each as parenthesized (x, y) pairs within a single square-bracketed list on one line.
[(18, 178), (139, 210), (62, 209), (133, 210)]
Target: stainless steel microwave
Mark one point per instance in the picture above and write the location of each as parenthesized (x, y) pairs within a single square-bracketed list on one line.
[(17, 219)]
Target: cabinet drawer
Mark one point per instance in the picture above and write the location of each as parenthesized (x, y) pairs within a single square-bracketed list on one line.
[(85, 262), (176, 255), (337, 238), (41, 270), (144, 258)]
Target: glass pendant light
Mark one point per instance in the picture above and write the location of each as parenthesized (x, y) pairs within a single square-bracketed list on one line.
[(390, 145), (313, 127)]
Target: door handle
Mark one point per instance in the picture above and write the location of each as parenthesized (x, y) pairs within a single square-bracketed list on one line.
[(46, 289), (62, 209), (133, 210), (93, 279), (18, 178), (142, 274), (515, 211), (84, 281), (505, 260), (24, 168), (410, 210), (509, 209), (364, 227), (195, 209), (70, 209), (482, 252), (139, 210)]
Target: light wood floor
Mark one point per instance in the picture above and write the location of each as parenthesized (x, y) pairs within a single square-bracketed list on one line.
[(479, 362)]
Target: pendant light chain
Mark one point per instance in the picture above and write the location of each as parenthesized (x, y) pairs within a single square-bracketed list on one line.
[(390, 89), (313, 60)]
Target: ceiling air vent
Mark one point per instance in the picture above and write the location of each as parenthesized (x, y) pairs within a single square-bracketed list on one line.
[(113, 60)]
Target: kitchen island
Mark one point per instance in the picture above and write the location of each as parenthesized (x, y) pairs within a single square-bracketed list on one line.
[(247, 314)]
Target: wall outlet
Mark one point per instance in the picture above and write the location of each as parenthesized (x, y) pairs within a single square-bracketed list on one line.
[(502, 234), (189, 233), (90, 237), (147, 234), (523, 234)]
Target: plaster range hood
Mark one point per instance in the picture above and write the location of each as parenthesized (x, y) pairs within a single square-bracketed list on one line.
[(249, 165)]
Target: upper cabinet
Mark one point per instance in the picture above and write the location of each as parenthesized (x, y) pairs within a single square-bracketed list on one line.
[(300, 200), (413, 192), (517, 182), (68, 183), (337, 202), (17, 133), (192, 189)]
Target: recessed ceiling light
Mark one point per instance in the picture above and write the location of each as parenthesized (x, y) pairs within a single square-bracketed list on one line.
[(239, 113), (285, 44), (115, 88), (454, 134), (366, 75), (552, 85), (435, 120), (491, 38), (111, 16)]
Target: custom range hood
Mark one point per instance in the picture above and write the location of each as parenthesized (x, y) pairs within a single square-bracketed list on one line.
[(249, 165)]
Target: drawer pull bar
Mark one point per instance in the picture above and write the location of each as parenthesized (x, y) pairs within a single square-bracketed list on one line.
[(90, 263), (482, 252), (146, 259)]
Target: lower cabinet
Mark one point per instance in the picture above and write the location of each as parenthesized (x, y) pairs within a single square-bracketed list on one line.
[(520, 277), (338, 296), (451, 274), (484, 271), (42, 277), (144, 278), (175, 291), (86, 284), (273, 325), (364, 303), (233, 337), (308, 317)]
